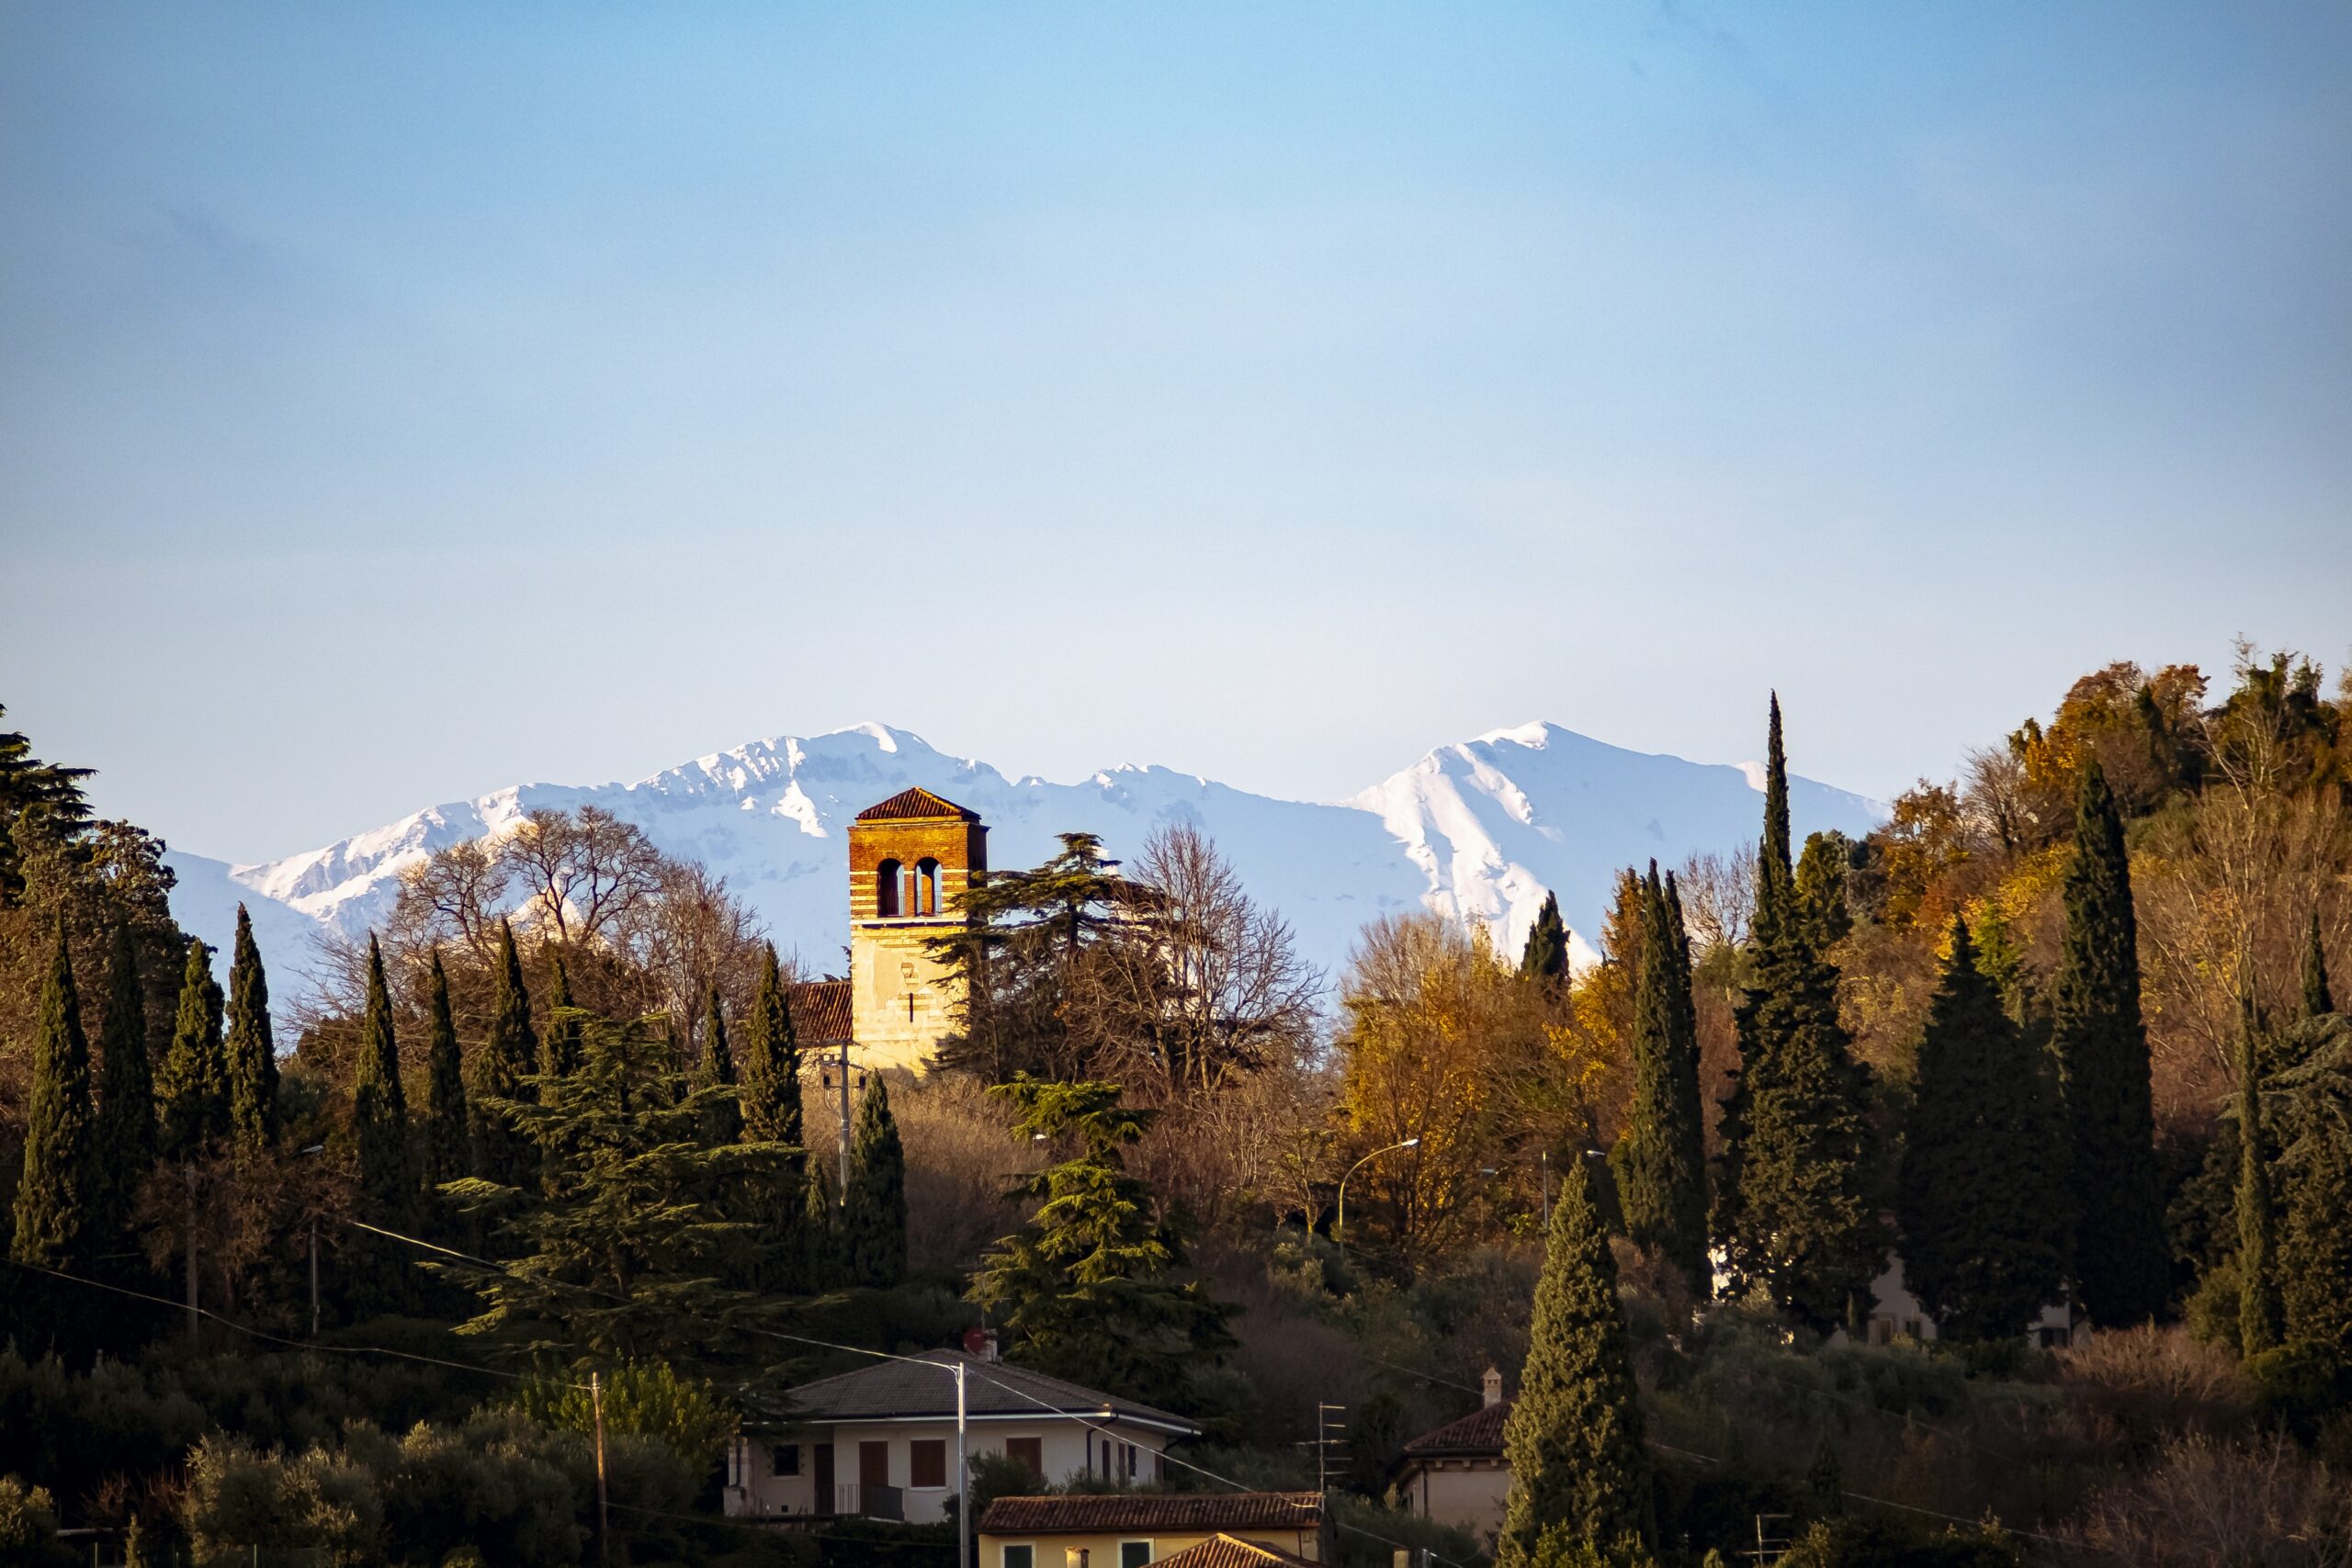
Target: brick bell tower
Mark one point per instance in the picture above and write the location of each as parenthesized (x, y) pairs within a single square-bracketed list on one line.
[(910, 859)]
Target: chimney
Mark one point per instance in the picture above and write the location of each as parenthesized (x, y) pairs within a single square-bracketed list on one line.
[(980, 1342), (1074, 1556), (1493, 1385)]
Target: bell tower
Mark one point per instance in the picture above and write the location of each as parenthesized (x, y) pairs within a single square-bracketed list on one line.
[(911, 859)]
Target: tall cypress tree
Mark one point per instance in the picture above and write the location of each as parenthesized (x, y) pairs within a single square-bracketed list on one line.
[(2261, 1313), (58, 1199), (1805, 1218), (769, 1094), (2120, 1270), (874, 1211), (715, 1069), (251, 1056), (380, 1113), (560, 1045), (1580, 1478), (1774, 893), (822, 1245), (192, 1091), (1545, 958), (445, 1087), (1661, 1174), (495, 1074), (126, 1122), (1981, 1194), (2314, 1121), (2318, 1000)]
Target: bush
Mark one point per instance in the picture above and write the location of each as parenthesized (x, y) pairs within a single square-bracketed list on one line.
[(2154, 1382), (28, 1526), (2205, 1501), (642, 1399), (238, 1500), (1876, 1543)]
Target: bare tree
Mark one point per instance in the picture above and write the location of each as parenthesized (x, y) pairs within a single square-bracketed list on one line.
[(453, 895), (583, 873), (1718, 898)]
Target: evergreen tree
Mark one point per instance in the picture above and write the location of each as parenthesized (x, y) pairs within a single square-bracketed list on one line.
[(1580, 1478), (499, 1071), (715, 1073), (1662, 1165), (192, 1092), (1983, 1163), (2318, 1000), (874, 1211), (2314, 1123), (769, 1095), (1545, 958), (252, 1055), (2261, 1314), (826, 1267), (379, 1134), (33, 791), (2121, 1271), (1805, 1220), (58, 1197), (126, 1121), (1824, 1481), (1821, 887), (1083, 1288), (560, 1047), (1774, 874), (446, 1122)]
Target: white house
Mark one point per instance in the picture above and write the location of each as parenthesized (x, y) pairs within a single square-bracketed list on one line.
[(881, 1440), (1896, 1312)]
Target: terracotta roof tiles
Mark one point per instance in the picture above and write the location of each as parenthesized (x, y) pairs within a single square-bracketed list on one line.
[(1091, 1513), (913, 803), (1480, 1432), (821, 1014), (1226, 1552)]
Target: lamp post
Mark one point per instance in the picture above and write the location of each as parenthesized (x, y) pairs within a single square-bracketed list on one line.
[(1339, 1224)]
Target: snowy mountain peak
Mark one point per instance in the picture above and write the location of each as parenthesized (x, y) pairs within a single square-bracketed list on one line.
[(1480, 829)]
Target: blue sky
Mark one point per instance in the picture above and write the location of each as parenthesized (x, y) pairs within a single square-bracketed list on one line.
[(400, 402)]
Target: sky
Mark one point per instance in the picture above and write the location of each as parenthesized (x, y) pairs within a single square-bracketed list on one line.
[(401, 401)]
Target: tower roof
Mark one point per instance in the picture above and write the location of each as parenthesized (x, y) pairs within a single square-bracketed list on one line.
[(912, 804)]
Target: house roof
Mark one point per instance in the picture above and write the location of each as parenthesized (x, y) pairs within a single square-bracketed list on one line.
[(1226, 1551), (915, 1388), (1480, 1432), (1094, 1513), (913, 803), (821, 1013)]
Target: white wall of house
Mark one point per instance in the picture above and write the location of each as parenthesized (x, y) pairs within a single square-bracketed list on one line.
[(1467, 1494), (1896, 1314), (1064, 1448)]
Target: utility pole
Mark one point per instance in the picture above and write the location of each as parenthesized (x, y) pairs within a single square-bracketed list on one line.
[(1323, 1442), (963, 1523), (314, 1275), (604, 1508), (192, 1315), (842, 1193)]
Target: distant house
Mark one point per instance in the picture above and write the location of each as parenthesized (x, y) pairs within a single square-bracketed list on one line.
[(1128, 1529), (880, 1441), (1457, 1474), (1896, 1314)]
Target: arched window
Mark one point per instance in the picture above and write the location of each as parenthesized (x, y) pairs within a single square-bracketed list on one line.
[(886, 889), (926, 886)]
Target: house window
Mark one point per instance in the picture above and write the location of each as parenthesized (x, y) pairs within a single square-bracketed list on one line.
[(1022, 1556), (784, 1458), (1129, 1458), (886, 877), (1133, 1553), (1030, 1451), (927, 1463)]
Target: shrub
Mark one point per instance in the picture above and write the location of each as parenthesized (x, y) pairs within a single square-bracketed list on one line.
[(1876, 1543), (2205, 1501), (28, 1526), (2155, 1380)]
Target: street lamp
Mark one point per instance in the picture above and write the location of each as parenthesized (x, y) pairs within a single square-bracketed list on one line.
[(1339, 1225)]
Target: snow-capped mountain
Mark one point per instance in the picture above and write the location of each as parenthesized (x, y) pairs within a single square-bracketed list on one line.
[(1479, 830)]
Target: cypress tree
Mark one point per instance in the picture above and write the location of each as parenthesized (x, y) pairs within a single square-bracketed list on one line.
[(126, 1122), (445, 1089), (771, 1082), (874, 1211), (1661, 1174), (58, 1195), (1821, 887), (251, 1056), (1805, 1221), (722, 1114), (1774, 874), (2314, 1243), (2120, 1270), (192, 1091), (1980, 1196), (820, 1232), (2318, 1000), (497, 1072), (1579, 1480), (1545, 958), (379, 1106), (560, 1047), (2261, 1314)]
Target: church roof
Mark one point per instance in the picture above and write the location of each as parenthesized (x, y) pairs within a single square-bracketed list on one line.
[(910, 804), (819, 1012)]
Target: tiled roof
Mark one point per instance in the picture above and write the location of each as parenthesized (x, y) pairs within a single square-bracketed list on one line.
[(915, 803), (900, 1390), (1093, 1513), (1480, 1432), (1225, 1551), (819, 1012)]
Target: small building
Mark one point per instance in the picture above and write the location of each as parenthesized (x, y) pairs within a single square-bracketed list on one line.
[(1457, 1474), (880, 1441), (1128, 1529), (1896, 1314)]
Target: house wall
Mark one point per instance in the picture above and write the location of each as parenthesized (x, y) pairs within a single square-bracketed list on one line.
[(755, 1489), (1103, 1550), (1896, 1314), (1469, 1494)]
